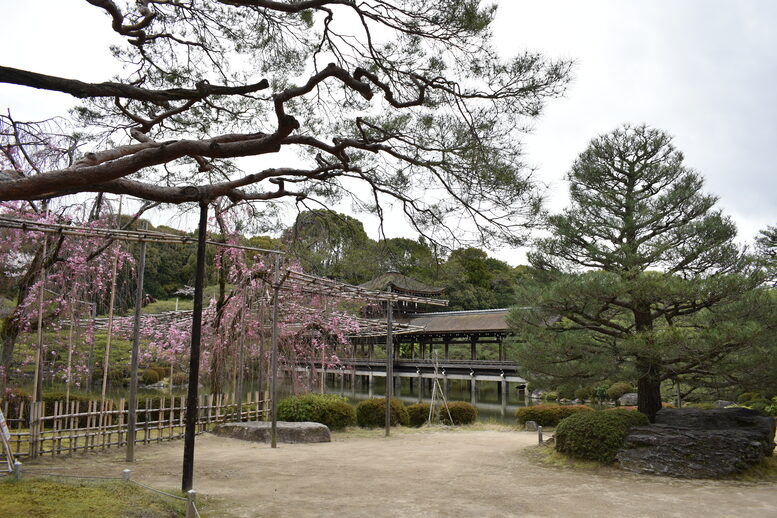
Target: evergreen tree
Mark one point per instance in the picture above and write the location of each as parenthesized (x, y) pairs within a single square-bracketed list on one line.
[(641, 273), (766, 245)]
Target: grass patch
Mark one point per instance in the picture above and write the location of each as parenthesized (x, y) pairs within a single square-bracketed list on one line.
[(546, 455), (42, 498), (162, 306), (766, 471)]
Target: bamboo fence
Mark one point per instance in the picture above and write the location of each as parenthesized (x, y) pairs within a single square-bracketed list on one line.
[(80, 426)]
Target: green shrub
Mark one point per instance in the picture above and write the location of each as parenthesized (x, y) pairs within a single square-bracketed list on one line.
[(180, 378), (417, 414), (118, 373), (548, 415), (161, 370), (747, 397), (331, 410), (618, 389), (14, 397), (372, 413), (771, 408), (584, 393), (150, 376), (566, 392), (596, 435), (461, 413), (759, 405), (550, 395)]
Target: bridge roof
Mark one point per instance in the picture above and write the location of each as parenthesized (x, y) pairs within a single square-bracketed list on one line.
[(477, 321), (400, 283)]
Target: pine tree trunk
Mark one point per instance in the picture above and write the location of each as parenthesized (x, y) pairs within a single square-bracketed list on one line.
[(648, 389), (649, 382)]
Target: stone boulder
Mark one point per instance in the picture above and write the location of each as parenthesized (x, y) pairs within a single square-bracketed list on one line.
[(742, 419), (722, 403), (696, 443), (260, 431), (530, 426), (628, 399)]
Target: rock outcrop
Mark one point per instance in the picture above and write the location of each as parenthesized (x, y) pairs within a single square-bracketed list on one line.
[(695, 443), (260, 431)]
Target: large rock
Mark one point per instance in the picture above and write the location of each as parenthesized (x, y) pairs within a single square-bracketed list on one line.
[(742, 419), (628, 399), (260, 431), (695, 443)]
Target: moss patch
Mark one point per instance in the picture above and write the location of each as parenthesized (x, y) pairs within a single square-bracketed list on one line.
[(42, 498)]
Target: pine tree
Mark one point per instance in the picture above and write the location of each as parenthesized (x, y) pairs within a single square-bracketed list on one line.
[(641, 273)]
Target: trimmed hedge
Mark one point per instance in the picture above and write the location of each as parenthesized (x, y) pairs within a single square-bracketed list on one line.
[(372, 413), (548, 415), (329, 409), (596, 435), (618, 389), (461, 413), (149, 377), (417, 414)]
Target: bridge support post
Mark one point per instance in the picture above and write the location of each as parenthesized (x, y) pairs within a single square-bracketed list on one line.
[(501, 350), (473, 389), (503, 384), (397, 387), (420, 387), (447, 343), (473, 348), (445, 385), (371, 383)]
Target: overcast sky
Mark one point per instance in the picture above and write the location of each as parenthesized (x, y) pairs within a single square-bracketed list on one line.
[(705, 71)]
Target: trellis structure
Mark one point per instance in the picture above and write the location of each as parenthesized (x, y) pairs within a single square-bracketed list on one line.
[(288, 280)]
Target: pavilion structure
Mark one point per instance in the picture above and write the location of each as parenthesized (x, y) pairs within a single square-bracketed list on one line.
[(430, 331)]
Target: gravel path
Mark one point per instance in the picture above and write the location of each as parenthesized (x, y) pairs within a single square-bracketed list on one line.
[(430, 473)]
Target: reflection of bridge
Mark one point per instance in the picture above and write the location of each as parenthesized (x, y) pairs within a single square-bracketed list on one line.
[(422, 371)]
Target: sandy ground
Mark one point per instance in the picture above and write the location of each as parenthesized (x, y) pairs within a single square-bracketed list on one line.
[(431, 473)]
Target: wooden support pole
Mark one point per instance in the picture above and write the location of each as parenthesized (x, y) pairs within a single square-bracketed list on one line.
[(37, 384), (107, 354), (389, 361), (187, 479), (69, 372), (241, 358), (132, 418), (274, 355)]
